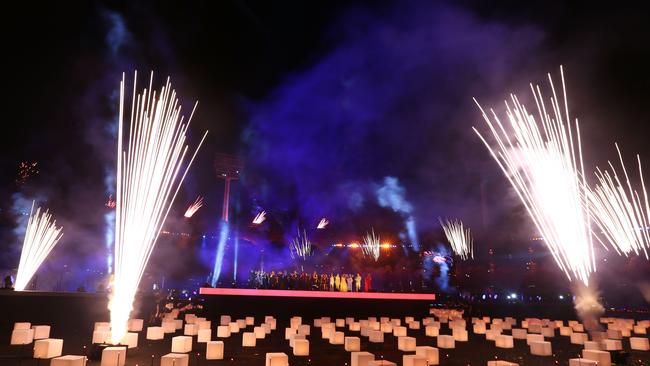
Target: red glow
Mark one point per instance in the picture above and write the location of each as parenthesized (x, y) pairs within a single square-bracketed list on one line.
[(316, 294)]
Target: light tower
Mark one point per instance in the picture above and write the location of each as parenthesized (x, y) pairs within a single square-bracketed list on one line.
[(228, 168)]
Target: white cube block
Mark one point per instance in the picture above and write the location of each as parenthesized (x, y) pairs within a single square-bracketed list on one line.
[(168, 326), (542, 348), (41, 331), (582, 362), (376, 336), (640, 330), (614, 334), (386, 327), (130, 340), (48, 348), (479, 328), (304, 329), (414, 325), (241, 323), (277, 359), (579, 338), (548, 332), (459, 334), (406, 344), (504, 341), (566, 331), (175, 359), (288, 332), (191, 329), (501, 363), (300, 347), (204, 335), (182, 344), (429, 353), (266, 327), (113, 356), (204, 324), (69, 360), (225, 320), (294, 337), (260, 332), (24, 325), (639, 344), (135, 325), (273, 324), (223, 331), (318, 322), (190, 318), (361, 358), (578, 328), (295, 322), (352, 344), (491, 334), (337, 338), (518, 333), (592, 345), (234, 327), (22, 336), (340, 323), (248, 339), (414, 360), (381, 363), (431, 331), (399, 331), (534, 328), (602, 357), (250, 320), (446, 341), (534, 338), (354, 326), (613, 345), (178, 324), (214, 350), (396, 322), (154, 333)]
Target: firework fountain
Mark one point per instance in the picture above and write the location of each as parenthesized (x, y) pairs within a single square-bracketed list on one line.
[(300, 247), (619, 212), (371, 245), (322, 224), (259, 218), (147, 183), (41, 236), (459, 237), (191, 210), (542, 159)]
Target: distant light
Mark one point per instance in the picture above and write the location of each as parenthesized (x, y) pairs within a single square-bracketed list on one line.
[(513, 295), (561, 297), (483, 297)]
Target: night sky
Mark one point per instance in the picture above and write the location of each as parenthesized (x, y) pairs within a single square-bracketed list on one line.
[(323, 101)]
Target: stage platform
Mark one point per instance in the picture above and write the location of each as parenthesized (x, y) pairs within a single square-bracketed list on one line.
[(317, 294), (310, 304)]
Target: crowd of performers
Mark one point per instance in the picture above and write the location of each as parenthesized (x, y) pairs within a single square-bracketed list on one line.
[(304, 281)]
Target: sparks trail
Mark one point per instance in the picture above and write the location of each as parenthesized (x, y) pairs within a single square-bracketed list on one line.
[(619, 212), (371, 245), (41, 236), (191, 210), (149, 161), (542, 160), (459, 237), (259, 218)]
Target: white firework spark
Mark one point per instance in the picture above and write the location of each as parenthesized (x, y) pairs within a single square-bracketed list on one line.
[(41, 236), (322, 223), (259, 218), (147, 184), (619, 212), (543, 162), (191, 210), (459, 237), (300, 248), (371, 245)]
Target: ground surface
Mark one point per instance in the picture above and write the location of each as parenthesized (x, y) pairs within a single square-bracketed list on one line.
[(72, 320)]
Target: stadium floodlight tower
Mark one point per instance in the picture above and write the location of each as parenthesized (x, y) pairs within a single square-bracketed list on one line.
[(228, 168)]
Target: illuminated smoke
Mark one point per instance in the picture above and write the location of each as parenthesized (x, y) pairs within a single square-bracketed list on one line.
[(392, 195)]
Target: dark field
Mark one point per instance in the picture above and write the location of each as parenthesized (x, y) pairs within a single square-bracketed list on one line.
[(72, 316)]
